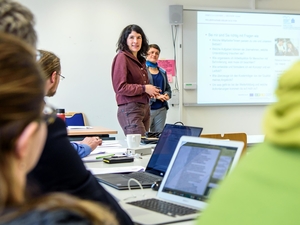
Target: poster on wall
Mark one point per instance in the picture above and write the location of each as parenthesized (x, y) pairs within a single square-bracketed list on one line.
[(169, 66)]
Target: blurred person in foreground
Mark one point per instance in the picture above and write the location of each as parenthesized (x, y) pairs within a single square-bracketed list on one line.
[(18, 20), (23, 132), (59, 168), (51, 66), (264, 188)]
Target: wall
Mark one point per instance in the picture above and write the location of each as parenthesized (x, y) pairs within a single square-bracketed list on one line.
[(84, 35)]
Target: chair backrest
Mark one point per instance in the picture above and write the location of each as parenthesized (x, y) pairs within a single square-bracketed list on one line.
[(75, 119), (230, 136)]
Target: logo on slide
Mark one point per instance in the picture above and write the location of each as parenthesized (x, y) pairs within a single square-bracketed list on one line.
[(288, 20)]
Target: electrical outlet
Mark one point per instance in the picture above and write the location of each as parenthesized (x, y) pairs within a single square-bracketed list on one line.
[(175, 98)]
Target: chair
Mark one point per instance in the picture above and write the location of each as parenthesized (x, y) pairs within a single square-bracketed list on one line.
[(230, 136), (75, 119)]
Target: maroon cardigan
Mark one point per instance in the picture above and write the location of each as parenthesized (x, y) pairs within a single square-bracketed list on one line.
[(129, 77)]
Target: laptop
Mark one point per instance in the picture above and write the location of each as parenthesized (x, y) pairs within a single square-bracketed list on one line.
[(197, 166), (159, 160)]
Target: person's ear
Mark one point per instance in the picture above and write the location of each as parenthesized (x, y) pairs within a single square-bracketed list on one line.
[(53, 77), (23, 142)]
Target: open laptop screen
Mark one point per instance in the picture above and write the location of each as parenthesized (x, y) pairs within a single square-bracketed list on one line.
[(166, 146), (197, 169)]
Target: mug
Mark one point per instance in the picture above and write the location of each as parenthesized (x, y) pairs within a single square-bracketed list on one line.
[(133, 140)]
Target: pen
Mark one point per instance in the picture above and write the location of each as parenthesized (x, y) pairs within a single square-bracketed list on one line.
[(103, 156)]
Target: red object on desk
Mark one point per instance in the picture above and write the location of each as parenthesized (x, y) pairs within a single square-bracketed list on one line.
[(61, 114)]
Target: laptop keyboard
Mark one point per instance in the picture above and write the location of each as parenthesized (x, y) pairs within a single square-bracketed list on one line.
[(142, 177), (163, 207)]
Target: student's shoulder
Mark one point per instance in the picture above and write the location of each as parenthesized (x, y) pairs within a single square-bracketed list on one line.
[(57, 129), (124, 55), (121, 56), (57, 124)]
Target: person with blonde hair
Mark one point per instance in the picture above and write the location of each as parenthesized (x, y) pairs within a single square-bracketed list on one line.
[(22, 136), (18, 20), (70, 175)]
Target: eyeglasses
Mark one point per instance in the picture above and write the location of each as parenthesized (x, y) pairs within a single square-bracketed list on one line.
[(49, 114), (61, 77)]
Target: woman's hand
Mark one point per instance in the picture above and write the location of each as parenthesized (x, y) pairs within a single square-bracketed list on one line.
[(164, 97), (152, 91)]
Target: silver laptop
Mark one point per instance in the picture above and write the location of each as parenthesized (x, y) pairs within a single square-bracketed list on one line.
[(198, 164)]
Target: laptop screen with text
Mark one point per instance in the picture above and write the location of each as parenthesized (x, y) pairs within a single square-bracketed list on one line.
[(198, 168)]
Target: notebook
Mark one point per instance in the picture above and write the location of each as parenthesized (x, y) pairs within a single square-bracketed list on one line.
[(159, 160), (198, 164)]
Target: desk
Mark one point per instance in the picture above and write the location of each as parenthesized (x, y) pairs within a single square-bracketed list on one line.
[(102, 132)]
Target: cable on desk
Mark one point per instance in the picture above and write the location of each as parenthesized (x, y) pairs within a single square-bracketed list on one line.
[(136, 181), (128, 184)]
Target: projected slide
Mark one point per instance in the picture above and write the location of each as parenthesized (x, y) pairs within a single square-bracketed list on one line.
[(241, 55)]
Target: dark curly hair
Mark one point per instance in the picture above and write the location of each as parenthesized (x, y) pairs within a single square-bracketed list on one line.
[(122, 42)]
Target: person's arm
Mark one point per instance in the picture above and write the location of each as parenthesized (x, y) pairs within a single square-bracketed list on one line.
[(168, 87), (152, 100), (168, 90), (120, 76), (130, 79), (83, 150)]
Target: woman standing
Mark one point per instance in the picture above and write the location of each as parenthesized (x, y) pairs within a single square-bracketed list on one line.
[(158, 77), (130, 81)]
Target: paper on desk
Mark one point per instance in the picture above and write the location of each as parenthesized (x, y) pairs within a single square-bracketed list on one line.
[(79, 127), (103, 149), (108, 147), (98, 150), (111, 144), (126, 169)]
